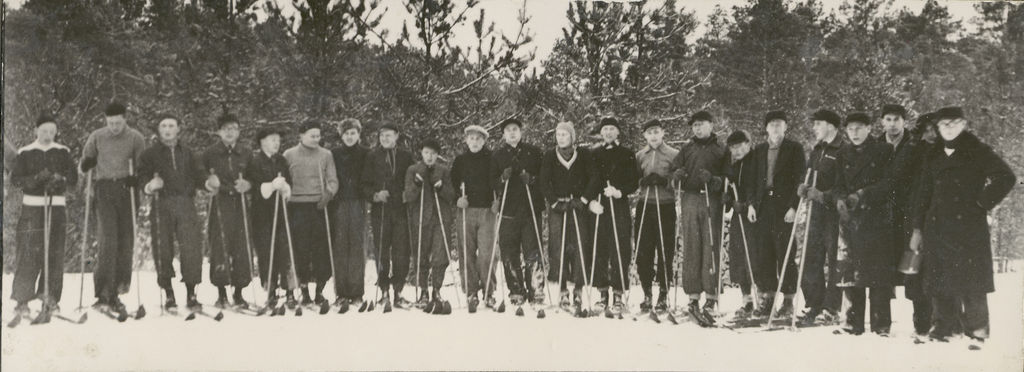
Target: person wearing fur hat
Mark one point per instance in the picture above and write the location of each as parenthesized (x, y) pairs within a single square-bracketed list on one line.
[(314, 183), (613, 177), (699, 168), (656, 247), (471, 172), (43, 170), (268, 171), (382, 183), (517, 165), (823, 299), (961, 181), (743, 247), (108, 152), (228, 160), (172, 173), (428, 186), (564, 174), (778, 170), (348, 211), (861, 192)]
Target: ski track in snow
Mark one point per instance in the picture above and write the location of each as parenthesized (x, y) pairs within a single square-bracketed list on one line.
[(405, 340)]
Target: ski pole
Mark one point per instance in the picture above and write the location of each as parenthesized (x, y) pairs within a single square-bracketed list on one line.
[(330, 245), (583, 263), (618, 251), (248, 240), (44, 314), (664, 258), (378, 264), (640, 227), (85, 243), (141, 311), (785, 260), (540, 246), (465, 249), (291, 252), (593, 256), (711, 241), (271, 282), (803, 250), (494, 247), (561, 256), (419, 242), (155, 234), (721, 240), (746, 249), (444, 237)]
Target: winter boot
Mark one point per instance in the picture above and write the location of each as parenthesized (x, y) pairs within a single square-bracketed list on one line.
[(490, 302), (765, 307), (602, 305), (22, 309), (306, 299), (472, 303), (289, 300), (171, 305), (423, 301), (564, 302), (222, 298), (695, 312), (646, 305), (402, 303), (618, 306), (193, 303), (116, 305), (827, 317), (662, 305), (709, 310), (239, 301), (786, 309), (745, 311), (809, 315)]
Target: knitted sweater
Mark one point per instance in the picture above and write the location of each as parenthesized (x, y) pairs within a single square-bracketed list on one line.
[(307, 166)]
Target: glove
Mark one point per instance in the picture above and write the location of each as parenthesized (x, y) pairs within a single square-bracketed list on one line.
[(844, 212), (438, 184), (813, 193), (703, 176), (462, 203), (381, 196), (728, 200), (578, 204), (325, 198), (714, 183), (506, 174), (496, 206), (680, 174), (612, 192), (853, 200), (560, 206), (751, 214), (801, 190), (87, 164), (212, 183), (596, 207), (658, 180), (42, 178), (242, 186), (279, 183), (418, 180), (646, 181), (739, 206), (915, 241), (790, 216), (525, 177), (56, 184), (154, 184)]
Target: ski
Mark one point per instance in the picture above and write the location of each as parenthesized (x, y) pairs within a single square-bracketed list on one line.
[(119, 316), (17, 320), (80, 320), (192, 315)]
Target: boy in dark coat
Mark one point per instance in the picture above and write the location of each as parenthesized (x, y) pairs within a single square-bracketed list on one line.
[(230, 261), (43, 170), (861, 194), (268, 171), (564, 173), (743, 251), (471, 174), (778, 169), (382, 183), (172, 174), (517, 165), (349, 215), (700, 168), (960, 182), (428, 187), (613, 176)]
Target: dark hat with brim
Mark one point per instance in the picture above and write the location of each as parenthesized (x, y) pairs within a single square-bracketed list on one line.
[(45, 118), (510, 121), (431, 144), (827, 116), (700, 116), (226, 119), (949, 113), (388, 126), (114, 109), (926, 119), (267, 131), (775, 115), (609, 121), (737, 137), (857, 117), (309, 125), (652, 123), (891, 109)]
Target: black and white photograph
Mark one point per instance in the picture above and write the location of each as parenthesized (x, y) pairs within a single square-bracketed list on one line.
[(525, 185)]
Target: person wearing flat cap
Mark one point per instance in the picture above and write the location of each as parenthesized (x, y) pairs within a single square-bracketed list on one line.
[(108, 152), (428, 186), (348, 215), (471, 173), (867, 258), (228, 160), (699, 168), (383, 182), (961, 181), (43, 170), (655, 162), (613, 177), (268, 171), (564, 174), (823, 299), (515, 167), (778, 170), (314, 183)]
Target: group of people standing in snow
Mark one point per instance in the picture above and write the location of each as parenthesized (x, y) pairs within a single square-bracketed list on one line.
[(300, 214)]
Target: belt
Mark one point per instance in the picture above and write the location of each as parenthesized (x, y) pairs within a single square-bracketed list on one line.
[(40, 201)]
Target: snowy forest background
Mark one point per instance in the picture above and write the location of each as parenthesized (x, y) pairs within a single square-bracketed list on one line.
[(637, 61)]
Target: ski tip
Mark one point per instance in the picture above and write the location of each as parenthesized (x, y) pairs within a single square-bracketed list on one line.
[(324, 309), (219, 316), (501, 308), (520, 312), (540, 314), (83, 318), (190, 316), (298, 311), (141, 312)]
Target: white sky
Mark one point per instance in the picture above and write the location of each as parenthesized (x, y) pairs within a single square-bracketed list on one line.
[(548, 16)]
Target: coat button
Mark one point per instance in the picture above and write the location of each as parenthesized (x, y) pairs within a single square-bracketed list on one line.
[(959, 217)]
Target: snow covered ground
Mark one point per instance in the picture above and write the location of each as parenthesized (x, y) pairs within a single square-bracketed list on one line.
[(405, 340)]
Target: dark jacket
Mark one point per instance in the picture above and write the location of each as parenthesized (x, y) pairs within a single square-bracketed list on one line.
[(868, 233), (698, 154), (31, 160), (824, 160), (522, 157), (444, 197), (905, 169), (348, 164), (789, 173), (474, 169), (227, 164), (615, 164), (558, 182), (741, 174), (385, 169), (956, 193), (180, 169)]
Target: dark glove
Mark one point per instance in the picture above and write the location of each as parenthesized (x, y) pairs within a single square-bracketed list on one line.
[(814, 194), (560, 206), (658, 180), (853, 200), (42, 178), (87, 164), (525, 177), (714, 183), (728, 200), (325, 198), (506, 174), (801, 190), (680, 174), (56, 184), (703, 176), (578, 205), (646, 180), (417, 179), (131, 181)]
